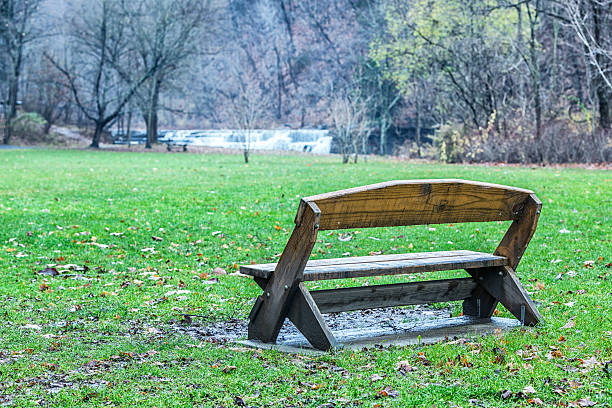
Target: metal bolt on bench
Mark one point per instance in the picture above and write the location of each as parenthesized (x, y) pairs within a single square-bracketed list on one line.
[(396, 203)]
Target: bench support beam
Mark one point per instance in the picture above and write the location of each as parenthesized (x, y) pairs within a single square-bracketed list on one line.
[(512, 246), (398, 294), (305, 315)]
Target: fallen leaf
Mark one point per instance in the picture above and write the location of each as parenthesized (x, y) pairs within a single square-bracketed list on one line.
[(591, 362), (404, 367), (529, 390), (48, 272), (570, 324), (375, 377), (155, 238), (219, 271), (388, 392)]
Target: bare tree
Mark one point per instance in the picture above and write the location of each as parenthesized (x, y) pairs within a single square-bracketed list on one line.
[(17, 31), (249, 105), (47, 93), (100, 47), (167, 36), (349, 115), (592, 22)]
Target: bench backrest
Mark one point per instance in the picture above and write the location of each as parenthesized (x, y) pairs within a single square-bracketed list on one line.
[(418, 202)]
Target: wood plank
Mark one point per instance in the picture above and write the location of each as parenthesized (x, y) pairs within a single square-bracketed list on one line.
[(316, 270), (399, 267), (417, 202), (399, 294), (270, 309), (401, 334), (248, 269), (305, 315)]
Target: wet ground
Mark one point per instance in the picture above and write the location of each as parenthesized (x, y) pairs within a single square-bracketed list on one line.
[(389, 319)]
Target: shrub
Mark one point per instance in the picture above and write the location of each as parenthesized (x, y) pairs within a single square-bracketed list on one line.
[(562, 141), (29, 127)]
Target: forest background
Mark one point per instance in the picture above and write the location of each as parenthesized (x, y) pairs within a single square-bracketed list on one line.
[(459, 80)]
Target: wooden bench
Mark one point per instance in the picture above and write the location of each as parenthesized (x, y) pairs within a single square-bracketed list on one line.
[(396, 203)]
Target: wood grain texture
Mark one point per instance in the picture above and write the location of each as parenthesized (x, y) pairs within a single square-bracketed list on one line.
[(416, 202), (515, 241), (396, 203), (305, 315), (270, 309), (341, 268), (399, 294)]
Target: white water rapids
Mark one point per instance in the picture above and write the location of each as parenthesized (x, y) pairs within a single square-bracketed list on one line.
[(302, 140)]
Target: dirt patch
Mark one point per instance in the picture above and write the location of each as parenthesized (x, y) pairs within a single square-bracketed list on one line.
[(388, 318)]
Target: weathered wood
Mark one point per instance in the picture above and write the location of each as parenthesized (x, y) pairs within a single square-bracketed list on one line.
[(270, 310), (399, 334), (341, 268), (512, 246), (250, 269), (393, 204), (417, 202), (503, 285), (480, 304), (261, 282), (514, 243), (399, 294), (306, 316)]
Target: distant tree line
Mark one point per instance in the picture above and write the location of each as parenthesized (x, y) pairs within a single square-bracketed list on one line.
[(511, 80)]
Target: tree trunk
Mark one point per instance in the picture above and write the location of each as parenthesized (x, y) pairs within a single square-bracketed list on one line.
[(12, 107), (364, 144), (417, 133), (47, 127), (95, 142), (129, 128), (151, 122), (601, 88), (245, 152), (535, 72), (604, 105), (151, 119), (279, 90), (383, 135)]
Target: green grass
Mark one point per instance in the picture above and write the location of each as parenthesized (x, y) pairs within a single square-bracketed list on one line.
[(105, 336)]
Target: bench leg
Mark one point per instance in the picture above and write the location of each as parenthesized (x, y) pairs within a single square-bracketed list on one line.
[(306, 316), (481, 304), (503, 285), (271, 308)]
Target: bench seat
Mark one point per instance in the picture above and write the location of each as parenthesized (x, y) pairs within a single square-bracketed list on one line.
[(363, 266)]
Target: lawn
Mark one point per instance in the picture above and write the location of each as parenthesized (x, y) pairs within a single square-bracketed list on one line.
[(135, 238)]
